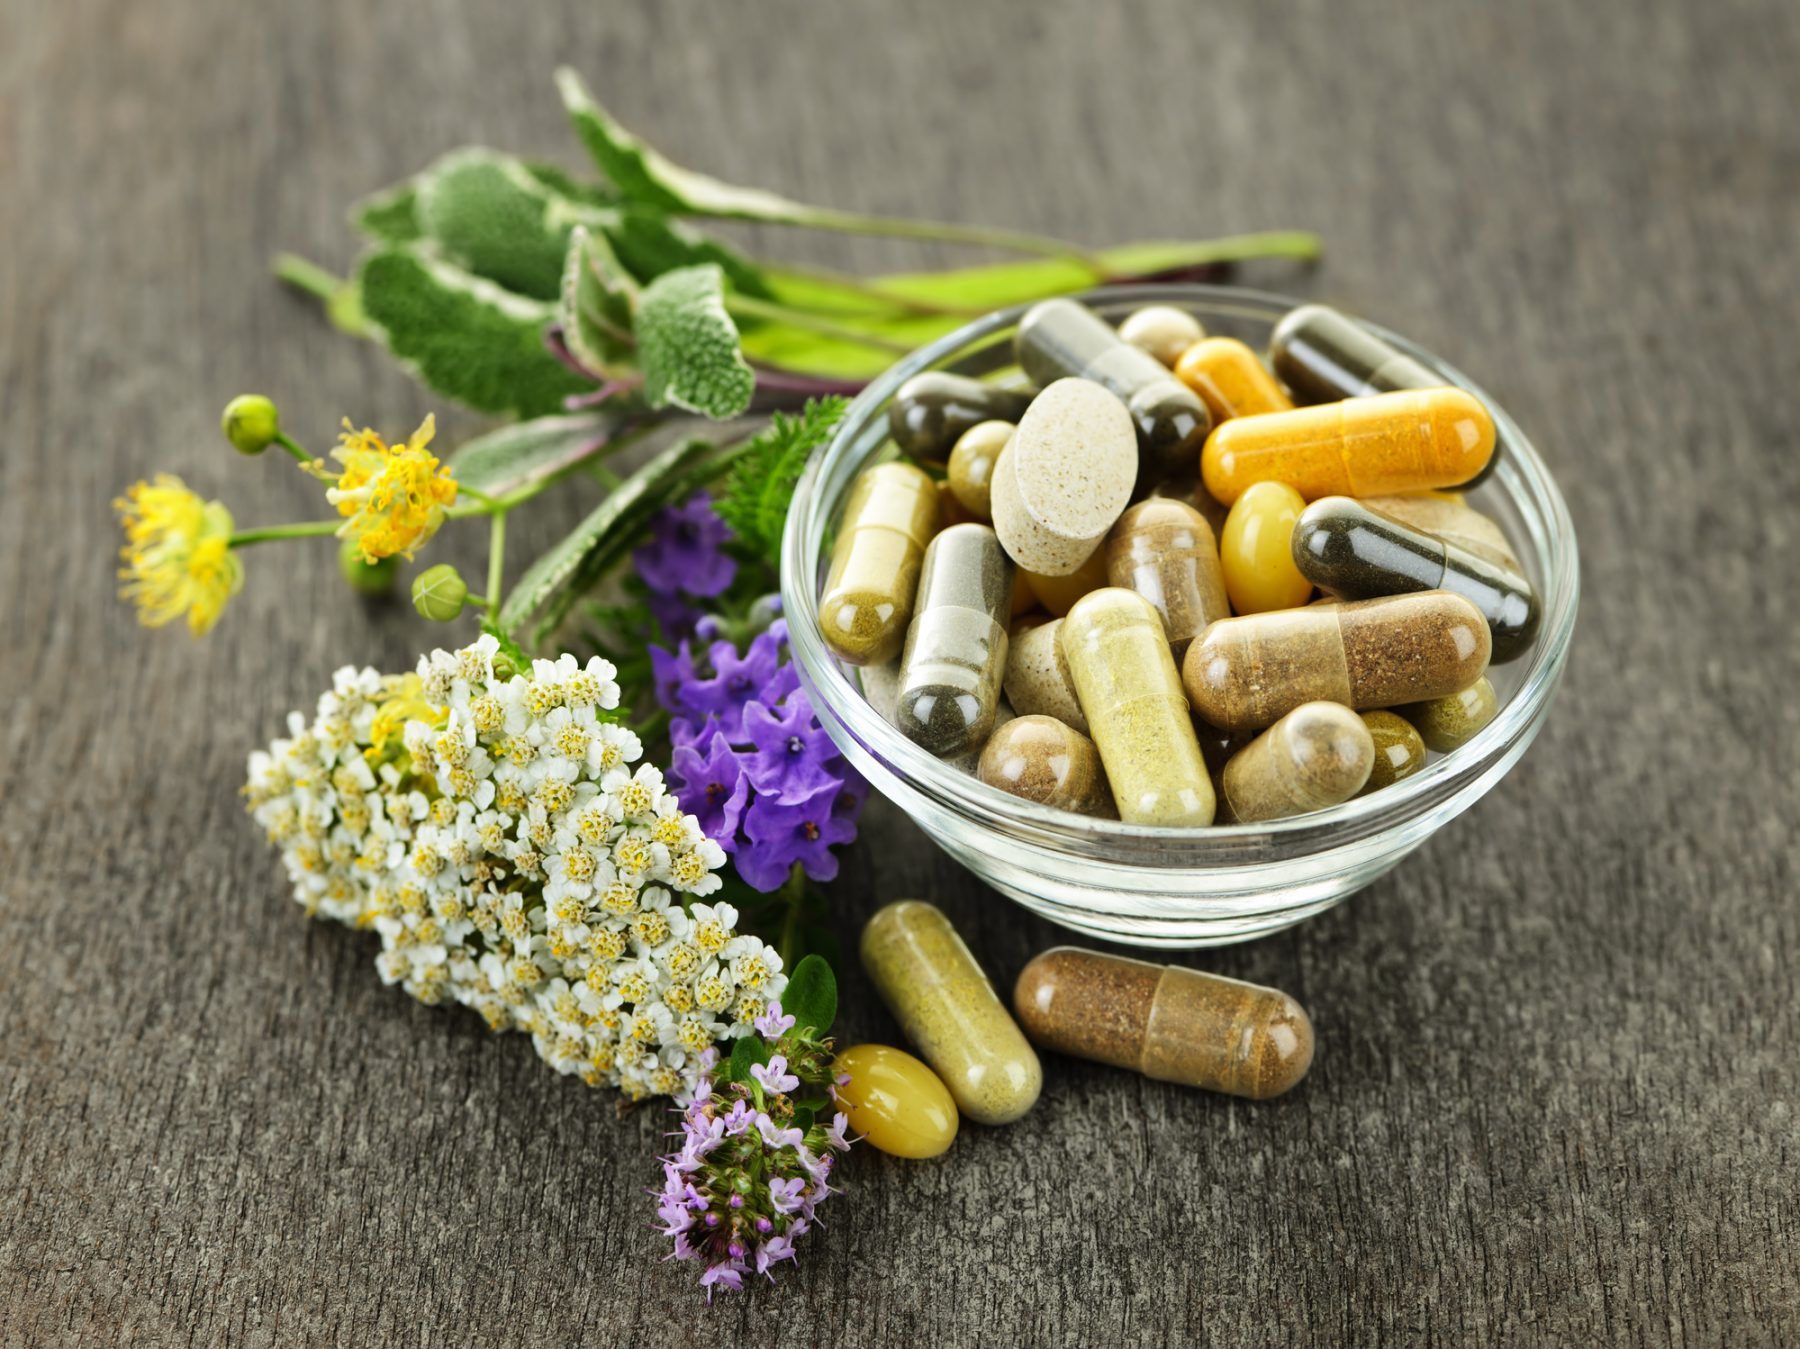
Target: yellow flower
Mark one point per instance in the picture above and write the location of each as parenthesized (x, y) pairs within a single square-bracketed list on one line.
[(394, 496), (177, 553)]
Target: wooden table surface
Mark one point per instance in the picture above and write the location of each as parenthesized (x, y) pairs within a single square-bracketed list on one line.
[(1555, 1098)]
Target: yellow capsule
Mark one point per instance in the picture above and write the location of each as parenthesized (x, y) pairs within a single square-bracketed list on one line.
[(1230, 379), (1256, 550), (867, 603), (895, 1102), (1388, 442), (1059, 593)]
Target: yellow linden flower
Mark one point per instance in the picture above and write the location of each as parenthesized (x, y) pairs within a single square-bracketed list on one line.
[(394, 496), (177, 553)]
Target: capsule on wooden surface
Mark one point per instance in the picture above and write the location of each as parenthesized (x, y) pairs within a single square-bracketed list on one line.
[(1162, 330), (1349, 550), (1059, 338), (947, 1007), (895, 1102), (1037, 679), (956, 645), (1065, 477), (1318, 755), (930, 411), (1231, 379), (868, 597), (1165, 551), (1256, 550), (1125, 679), (1399, 749), (1391, 442), (1452, 721), (1453, 520), (1041, 759), (1243, 673), (1167, 1022), (971, 471)]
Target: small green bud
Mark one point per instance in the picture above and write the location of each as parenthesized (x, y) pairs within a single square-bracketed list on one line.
[(251, 423), (438, 593), (367, 578)]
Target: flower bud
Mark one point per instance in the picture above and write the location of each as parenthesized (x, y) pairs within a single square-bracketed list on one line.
[(438, 593), (367, 578), (250, 423)]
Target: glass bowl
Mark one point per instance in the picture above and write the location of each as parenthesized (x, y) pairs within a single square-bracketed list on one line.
[(1156, 886)]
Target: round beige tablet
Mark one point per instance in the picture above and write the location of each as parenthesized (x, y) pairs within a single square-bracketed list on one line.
[(1065, 477)]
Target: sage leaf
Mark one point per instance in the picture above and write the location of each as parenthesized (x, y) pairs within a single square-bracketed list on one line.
[(688, 345), (511, 456), (597, 298), (811, 996), (487, 213)]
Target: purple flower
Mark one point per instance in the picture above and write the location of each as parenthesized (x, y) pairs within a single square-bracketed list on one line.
[(776, 1136), (674, 616), (726, 1274), (673, 673), (772, 1024), (792, 750), (772, 1250), (735, 681), (712, 786), (683, 552), (784, 1195), (782, 833), (835, 1135), (774, 1075)]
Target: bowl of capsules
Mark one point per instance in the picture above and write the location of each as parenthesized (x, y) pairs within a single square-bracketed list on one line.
[(1171, 643)]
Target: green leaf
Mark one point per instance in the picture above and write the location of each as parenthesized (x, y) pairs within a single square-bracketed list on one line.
[(754, 502), (596, 305), (391, 215), (688, 345), (649, 243), (510, 654), (510, 456), (606, 532), (811, 997), (746, 1053), (489, 215), (463, 336), (564, 184)]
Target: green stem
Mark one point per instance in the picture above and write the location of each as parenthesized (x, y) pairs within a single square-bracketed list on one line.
[(871, 290), (306, 275), (793, 894), (496, 564), (745, 305), (305, 529), (287, 443), (978, 236)]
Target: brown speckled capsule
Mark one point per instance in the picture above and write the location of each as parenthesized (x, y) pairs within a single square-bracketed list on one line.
[(1165, 551), (931, 411), (1230, 379), (1344, 548), (1399, 749), (1318, 755), (1242, 673), (956, 645), (1169, 1023), (1037, 677), (971, 471), (1041, 759), (1450, 722), (868, 598), (1162, 330), (1058, 338)]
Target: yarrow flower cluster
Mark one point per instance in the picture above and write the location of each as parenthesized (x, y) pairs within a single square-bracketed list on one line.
[(489, 825), (177, 554), (394, 496), (754, 1163)]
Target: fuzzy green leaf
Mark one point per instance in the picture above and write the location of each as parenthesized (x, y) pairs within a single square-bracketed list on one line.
[(649, 243), (688, 345), (390, 216), (463, 336), (489, 215), (811, 996), (750, 1051), (511, 456), (754, 502), (597, 298)]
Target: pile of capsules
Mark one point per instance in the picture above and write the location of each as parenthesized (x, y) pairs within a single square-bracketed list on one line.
[(1169, 1023), (1056, 544)]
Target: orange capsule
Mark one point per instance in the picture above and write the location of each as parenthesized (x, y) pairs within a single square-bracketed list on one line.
[(1231, 379), (1392, 442)]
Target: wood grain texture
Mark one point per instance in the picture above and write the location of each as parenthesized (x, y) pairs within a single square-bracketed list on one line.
[(1555, 1099)]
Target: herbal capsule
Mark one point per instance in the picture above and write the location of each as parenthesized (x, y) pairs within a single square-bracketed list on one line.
[(1162, 330), (1318, 755), (1452, 520), (1231, 379), (1059, 338), (1399, 749), (1058, 593), (1169, 1023), (868, 598), (1065, 477), (1041, 759), (1354, 553), (895, 1102), (1392, 442), (1125, 678), (1242, 673), (1164, 550), (1037, 677), (1450, 722), (971, 471), (947, 1007), (1324, 355), (1256, 550), (931, 411), (956, 645)]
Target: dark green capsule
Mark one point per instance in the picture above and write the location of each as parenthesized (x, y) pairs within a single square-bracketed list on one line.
[(955, 650), (1060, 338), (1343, 547), (930, 412)]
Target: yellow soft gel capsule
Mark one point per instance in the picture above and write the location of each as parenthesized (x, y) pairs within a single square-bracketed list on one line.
[(895, 1102), (1256, 550)]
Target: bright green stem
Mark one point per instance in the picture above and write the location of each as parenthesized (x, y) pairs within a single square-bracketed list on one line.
[(338, 295), (496, 563), (288, 443), (792, 894), (305, 529), (750, 307), (978, 236)]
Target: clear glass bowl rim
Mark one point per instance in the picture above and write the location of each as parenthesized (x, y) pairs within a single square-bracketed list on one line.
[(845, 713)]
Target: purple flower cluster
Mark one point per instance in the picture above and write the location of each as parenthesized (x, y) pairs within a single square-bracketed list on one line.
[(750, 1173), (684, 560)]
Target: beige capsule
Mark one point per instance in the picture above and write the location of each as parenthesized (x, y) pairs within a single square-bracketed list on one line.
[(1165, 551), (1041, 759), (1318, 755), (971, 470), (1162, 330), (946, 1006), (1452, 721), (1065, 477), (1037, 678), (867, 602)]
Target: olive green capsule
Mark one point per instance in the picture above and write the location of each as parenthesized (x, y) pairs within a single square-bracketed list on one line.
[(1318, 755), (930, 412), (956, 645), (971, 471), (1059, 338), (946, 1006), (1399, 750), (1451, 722), (868, 597)]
